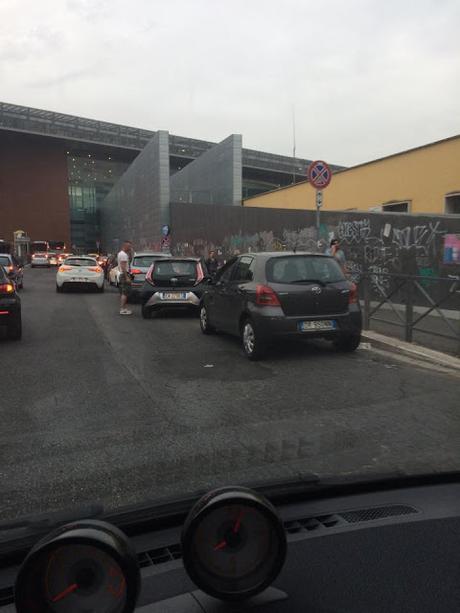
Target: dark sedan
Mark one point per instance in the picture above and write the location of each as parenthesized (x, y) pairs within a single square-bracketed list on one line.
[(10, 307), (13, 268), (174, 283), (264, 296)]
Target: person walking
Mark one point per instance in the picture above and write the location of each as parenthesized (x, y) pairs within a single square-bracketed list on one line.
[(124, 276), (211, 263), (337, 253)]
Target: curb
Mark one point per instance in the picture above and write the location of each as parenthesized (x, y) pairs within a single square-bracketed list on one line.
[(388, 343)]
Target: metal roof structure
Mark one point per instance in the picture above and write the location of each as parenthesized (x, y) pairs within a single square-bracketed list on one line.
[(40, 122)]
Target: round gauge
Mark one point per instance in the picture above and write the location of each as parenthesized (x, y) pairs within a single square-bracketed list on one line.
[(233, 543), (82, 567)]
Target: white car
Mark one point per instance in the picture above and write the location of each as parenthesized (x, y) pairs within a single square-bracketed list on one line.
[(40, 259), (80, 271)]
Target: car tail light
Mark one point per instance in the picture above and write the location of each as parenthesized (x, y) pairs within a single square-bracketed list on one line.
[(149, 275), (6, 288), (95, 268), (64, 268), (136, 271), (10, 268), (353, 295), (266, 296), (199, 273), (4, 312)]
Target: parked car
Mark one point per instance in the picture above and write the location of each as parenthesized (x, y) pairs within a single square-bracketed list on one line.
[(261, 297), (173, 283), (80, 271), (10, 307), (53, 258), (14, 269), (40, 259), (139, 268)]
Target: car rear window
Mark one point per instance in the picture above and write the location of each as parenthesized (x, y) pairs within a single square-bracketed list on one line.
[(4, 261), (302, 268), (80, 262), (167, 269), (145, 261)]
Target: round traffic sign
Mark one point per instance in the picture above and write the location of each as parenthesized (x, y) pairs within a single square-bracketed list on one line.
[(319, 174)]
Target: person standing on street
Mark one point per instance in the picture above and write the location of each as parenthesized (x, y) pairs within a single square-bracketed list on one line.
[(212, 263), (337, 253), (124, 277)]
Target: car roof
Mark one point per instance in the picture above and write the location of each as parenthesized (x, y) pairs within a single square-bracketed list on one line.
[(138, 254), (6, 255), (280, 254), (178, 258)]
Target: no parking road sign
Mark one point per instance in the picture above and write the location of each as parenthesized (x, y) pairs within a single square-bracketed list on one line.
[(319, 174)]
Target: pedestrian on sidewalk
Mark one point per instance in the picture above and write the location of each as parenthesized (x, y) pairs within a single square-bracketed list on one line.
[(124, 258), (337, 253)]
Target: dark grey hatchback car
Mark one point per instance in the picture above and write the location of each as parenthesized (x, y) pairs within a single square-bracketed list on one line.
[(264, 296)]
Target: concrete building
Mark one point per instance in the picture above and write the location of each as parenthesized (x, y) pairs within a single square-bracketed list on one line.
[(424, 180), (57, 169)]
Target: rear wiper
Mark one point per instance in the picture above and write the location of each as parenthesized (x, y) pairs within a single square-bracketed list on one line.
[(308, 281)]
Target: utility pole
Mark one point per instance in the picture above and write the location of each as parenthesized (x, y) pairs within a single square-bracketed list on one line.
[(293, 146)]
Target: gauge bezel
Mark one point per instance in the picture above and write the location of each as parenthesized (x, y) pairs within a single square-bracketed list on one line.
[(208, 504), (95, 533)]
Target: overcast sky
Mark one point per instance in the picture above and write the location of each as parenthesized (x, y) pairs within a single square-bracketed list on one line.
[(366, 77)]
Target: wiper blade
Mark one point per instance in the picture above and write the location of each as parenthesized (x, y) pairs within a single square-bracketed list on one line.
[(309, 281)]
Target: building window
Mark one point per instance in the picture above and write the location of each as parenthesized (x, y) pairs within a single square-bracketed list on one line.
[(396, 207), (452, 204)]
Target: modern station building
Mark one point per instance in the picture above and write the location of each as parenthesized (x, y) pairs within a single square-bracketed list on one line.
[(57, 170)]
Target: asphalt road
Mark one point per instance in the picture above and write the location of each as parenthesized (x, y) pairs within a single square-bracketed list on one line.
[(118, 410)]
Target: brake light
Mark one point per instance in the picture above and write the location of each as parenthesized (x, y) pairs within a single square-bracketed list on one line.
[(353, 295), (64, 268), (6, 288), (149, 275), (95, 268), (266, 296), (10, 268), (135, 271)]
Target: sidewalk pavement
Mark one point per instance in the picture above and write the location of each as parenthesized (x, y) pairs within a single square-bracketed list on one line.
[(421, 337), (388, 343)]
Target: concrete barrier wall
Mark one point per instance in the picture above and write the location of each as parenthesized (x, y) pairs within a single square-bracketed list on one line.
[(377, 243)]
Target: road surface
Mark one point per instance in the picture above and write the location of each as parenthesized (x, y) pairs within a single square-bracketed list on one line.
[(101, 408)]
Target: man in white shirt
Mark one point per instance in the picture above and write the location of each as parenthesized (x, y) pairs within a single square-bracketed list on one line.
[(124, 277)]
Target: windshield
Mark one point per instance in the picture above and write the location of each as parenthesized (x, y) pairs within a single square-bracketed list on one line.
[(80, 262), (304, 268), (280, 182), (144, 261)]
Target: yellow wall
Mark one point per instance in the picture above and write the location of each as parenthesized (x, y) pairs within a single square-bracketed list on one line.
[(422, 176)]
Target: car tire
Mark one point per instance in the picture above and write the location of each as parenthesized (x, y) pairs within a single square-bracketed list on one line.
[(146, 312), (204, 321), (100, 289), (15, 329), (348, 342), (59, 289), (253, 346)]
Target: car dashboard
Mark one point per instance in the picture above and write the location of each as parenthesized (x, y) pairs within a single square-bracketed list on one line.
[(359, 549)]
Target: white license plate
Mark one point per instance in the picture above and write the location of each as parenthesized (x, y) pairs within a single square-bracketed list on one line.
[(78, 279), (173, 296), (313, 326)]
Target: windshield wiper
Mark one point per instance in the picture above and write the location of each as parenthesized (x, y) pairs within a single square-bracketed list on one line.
[(309, 281)]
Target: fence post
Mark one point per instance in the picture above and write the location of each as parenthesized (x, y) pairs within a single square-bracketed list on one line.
[(409, 309), (367, 302)]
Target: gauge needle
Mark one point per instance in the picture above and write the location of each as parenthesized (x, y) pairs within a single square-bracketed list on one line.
[(237, 525), (66, 592), (220, 545)]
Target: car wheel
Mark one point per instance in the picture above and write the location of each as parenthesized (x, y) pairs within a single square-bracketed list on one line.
[(347, 343), (15, 329), (253, 346), (146, 312), (204, 321), (59, 289), (100, 289)]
